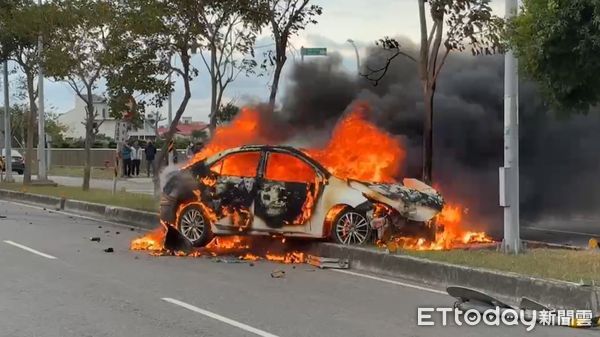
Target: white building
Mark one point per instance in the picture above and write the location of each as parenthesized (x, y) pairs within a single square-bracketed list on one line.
[(74, 118)]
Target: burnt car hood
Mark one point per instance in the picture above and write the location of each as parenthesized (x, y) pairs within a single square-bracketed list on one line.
[(413, 199)]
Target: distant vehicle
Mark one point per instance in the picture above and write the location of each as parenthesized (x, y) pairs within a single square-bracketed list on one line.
[(280, 190), (18, 165)]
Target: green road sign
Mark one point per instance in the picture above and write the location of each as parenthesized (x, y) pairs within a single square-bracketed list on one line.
[(314, 51)]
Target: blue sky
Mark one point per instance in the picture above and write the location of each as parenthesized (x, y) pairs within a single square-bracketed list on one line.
[(364, 21)]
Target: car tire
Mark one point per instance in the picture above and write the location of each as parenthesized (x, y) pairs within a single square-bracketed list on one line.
[(350, 227), (194, 225), (20, 172)]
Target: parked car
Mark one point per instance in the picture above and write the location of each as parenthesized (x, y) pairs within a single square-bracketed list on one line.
[(18, 165), (280, 190)]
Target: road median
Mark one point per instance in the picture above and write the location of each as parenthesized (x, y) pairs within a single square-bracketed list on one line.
[(507, 286)]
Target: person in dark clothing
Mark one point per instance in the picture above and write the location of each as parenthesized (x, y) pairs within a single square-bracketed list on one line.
[(126, 155), (150, 154)]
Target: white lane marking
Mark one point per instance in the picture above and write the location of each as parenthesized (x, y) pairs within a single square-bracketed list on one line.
[(31, 250), (219, 317), (75, 215), (560, 231), (408, 285)]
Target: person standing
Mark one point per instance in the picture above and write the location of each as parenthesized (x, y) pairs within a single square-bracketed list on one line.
[(150, 154), (126, 155), (136, 159)]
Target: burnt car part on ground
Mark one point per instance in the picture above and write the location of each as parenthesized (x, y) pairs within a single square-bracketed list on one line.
[(280, 190)]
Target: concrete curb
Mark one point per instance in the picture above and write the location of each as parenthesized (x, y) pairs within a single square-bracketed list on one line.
[(127, 216), (506, 286), (510, 287)]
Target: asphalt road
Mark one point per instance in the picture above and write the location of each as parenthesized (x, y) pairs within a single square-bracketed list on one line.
[(68, 286)]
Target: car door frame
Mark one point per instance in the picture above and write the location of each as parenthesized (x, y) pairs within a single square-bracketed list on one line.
[(254, 188), (322, 178)]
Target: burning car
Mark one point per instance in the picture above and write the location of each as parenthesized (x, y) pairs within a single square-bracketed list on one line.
[(284, 191)]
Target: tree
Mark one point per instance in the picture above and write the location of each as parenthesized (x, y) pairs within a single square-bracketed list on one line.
[(146, 35), (557, 46), (79, 57), (227, 113), (286, 18), (229, 34), (456, 25), (22, 23)]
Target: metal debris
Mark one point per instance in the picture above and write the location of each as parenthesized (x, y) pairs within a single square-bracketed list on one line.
[(228, 259), (328, 262), (95, 239), (278, 274), (109, 250)]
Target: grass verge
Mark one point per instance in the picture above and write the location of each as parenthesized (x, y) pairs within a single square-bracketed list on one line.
[(123, 199), (77, 171), (559, 264)]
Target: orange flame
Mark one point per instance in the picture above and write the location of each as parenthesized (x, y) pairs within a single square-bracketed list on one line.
[(357, 149), (452, 236)]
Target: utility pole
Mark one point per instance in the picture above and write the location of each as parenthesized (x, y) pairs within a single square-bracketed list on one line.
[(7, 129), (41, 148), (509, 174), (357, 55)]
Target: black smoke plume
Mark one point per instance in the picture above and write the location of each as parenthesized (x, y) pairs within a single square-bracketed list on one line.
[(560, 157)]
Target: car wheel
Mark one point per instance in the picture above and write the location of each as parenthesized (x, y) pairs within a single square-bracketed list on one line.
[(193, 224), (350, 228), (20, 172)]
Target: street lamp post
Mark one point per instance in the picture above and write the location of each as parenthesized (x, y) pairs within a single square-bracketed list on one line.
[(509, 173), (170, 114), (41, 147), (357, 55)]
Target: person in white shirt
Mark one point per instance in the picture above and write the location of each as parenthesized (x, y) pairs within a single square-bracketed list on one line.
[(137, 154)]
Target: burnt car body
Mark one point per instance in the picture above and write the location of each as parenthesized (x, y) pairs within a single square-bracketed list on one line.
[(280, 190)]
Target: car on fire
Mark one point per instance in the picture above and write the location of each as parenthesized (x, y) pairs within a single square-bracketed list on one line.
[(281, 190)]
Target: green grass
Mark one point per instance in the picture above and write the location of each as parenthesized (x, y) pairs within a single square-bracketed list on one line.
[(77, 171), (124, 199), (559, 264)]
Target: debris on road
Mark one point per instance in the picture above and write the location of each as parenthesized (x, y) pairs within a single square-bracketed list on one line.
[(99, 226), (109, 250), (105, 232), (278, 274), (117, 233), (131, 229), (95, 239), (328, 262), (229, 259), (2, 216)]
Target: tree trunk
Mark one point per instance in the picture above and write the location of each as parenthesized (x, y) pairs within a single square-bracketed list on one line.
[(213, 90), (31, 128), (185, 60), (89, 140), (275, 86), (428, 136)]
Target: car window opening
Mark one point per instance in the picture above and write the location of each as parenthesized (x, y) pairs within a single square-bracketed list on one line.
[(287, 168)]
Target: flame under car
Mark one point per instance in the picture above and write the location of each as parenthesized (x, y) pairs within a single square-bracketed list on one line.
[(280, 190)]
